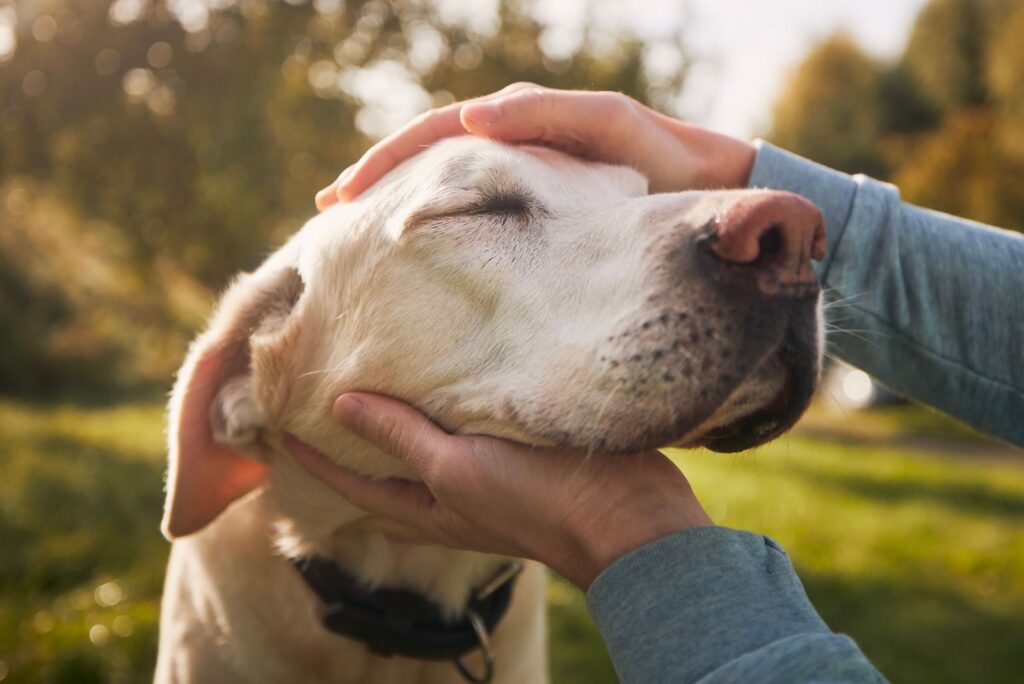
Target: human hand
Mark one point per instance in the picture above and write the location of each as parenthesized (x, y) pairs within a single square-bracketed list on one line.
[(603, 126), (577, 513)]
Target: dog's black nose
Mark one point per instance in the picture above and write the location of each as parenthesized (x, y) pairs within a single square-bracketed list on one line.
[(768, 239)]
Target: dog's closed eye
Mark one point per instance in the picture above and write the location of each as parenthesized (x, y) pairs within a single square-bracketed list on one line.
[(505, 204)]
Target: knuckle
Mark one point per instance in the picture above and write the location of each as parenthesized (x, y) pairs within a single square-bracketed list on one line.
[(424, 116), (620, 111), (474, 449), (531, 93), (538, 93), (616, 104), (389, 433), (423, 119), (432, 115), (432, 474), (519, 85)]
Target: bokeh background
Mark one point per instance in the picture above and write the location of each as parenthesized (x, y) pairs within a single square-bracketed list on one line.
[(150, 148)]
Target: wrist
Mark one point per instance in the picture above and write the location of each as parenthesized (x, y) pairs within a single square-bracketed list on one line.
[(722, 161), (600, 546)]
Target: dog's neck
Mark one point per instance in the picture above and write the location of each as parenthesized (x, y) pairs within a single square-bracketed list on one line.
[(307, 519)]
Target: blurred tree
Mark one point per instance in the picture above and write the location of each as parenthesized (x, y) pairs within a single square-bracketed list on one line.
[(946, 50), (943, 121), (962, 169), (1005, 71), (196, 133), (832, 109)]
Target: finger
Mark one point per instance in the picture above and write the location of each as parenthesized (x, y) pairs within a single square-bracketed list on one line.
[(424, 130), (590, 122), (402, 500), (400, 430), (329, 195)]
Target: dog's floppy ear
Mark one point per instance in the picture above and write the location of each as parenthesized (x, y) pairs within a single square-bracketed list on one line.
[(215, 412)]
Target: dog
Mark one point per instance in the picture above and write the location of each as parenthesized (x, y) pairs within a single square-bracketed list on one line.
[(512, 291)]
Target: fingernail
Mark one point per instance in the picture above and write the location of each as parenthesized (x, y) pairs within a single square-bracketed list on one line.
[(347, 409), (482, 113)]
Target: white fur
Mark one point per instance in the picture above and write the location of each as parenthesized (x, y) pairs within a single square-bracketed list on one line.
[(537, 326)]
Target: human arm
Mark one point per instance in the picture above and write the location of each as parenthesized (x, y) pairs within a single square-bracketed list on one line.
[(715, 605), (928, 303), (675, 598)]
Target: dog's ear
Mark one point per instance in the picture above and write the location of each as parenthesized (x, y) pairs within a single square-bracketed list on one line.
[(217, 410)]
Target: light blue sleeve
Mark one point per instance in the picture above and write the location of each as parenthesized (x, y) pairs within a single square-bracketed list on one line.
[(714, 605), (934, 304)]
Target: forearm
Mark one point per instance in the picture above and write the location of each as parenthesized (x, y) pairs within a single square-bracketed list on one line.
[(932, 303), (717, 605)]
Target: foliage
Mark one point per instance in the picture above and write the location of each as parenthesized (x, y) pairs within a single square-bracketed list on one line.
[(840, 79), (944, 121), (919, 561), (72, 305), (946, 51), (196, 138)]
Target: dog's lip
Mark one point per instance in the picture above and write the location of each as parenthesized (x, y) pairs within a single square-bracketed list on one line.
[(743, 434), (753, 429), (763, 424)]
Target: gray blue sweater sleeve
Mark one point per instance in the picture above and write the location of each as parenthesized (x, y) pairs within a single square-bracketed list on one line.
[(934, 306), (714, 605)]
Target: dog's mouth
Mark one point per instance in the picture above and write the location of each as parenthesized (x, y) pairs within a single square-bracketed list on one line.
[(758, 427), (776, 416)]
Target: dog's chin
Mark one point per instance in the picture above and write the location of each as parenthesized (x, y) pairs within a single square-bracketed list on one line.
[(762, 408), (756, 428), (769, 419)]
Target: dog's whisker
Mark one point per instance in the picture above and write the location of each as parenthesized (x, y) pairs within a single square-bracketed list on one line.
[(843, 300), (600, 412), (859, 334), (835, 400)]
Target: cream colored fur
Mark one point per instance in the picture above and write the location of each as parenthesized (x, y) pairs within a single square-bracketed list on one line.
[(514, 292)]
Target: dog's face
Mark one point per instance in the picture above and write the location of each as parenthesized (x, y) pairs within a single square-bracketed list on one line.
[(515, 292)]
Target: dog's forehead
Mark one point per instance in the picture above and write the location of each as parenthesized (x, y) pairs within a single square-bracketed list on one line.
[(465, 161)]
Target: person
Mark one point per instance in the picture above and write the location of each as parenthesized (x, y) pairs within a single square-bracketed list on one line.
[(936, 304)]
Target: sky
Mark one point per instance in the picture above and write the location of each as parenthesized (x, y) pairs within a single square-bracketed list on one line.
[(754, 44), (746, 48)]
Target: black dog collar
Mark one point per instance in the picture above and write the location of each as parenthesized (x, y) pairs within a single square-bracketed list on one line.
[(401, 622)]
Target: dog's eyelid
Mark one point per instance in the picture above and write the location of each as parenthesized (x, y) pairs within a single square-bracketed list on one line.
[(503, 202)]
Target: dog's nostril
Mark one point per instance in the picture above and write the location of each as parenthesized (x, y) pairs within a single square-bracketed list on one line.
[(767, 239), (769, 245)]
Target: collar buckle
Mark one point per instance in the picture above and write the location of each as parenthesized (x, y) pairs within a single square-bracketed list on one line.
[(485, 647)]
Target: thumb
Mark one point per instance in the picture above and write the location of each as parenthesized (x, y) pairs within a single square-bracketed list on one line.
[(397, 429), (402, 500)]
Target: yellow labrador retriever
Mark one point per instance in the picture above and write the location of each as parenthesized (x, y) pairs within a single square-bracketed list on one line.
[(509, 291)]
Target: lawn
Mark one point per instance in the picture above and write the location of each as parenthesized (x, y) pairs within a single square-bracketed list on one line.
[(911, 544)]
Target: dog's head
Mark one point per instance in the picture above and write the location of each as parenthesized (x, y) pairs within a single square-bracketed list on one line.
[(510, 291)]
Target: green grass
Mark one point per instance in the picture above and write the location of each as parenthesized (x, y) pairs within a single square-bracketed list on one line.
[(915, 551)]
